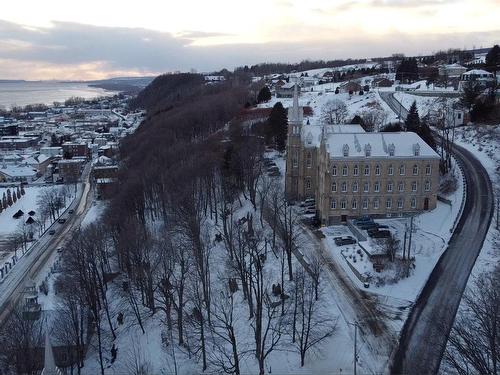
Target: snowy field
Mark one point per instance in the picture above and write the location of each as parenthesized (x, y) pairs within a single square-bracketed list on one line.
[(27, 202)]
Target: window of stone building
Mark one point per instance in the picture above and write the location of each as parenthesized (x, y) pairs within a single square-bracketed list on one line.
[(402, 169), (400, 203), (309, 160), (377, 170), (414, 186), (295, 159), (355, 187), (345, 170), (343, 204), (376, 203), (344, 187), (355, 170), (415, 170), (388, 203), (308, 183), (366, 187), (413, 202), (334, 170), (365, 204), (334, 187), (367, 170), (354, 204), (428, 169), (333, 204), (401, 186), (377, 187), (389, 187), (427, 185), (390, 170)]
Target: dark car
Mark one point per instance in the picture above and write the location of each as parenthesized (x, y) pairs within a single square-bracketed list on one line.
[(52, 231), (367, 226), (341, 241), (363, 220), (70, 211), (61, 221), (381, 234)]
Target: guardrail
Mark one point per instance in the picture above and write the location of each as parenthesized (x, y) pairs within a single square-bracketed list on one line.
[(464, 196), (359, 236)]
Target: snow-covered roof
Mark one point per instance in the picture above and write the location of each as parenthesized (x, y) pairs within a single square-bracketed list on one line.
[(311, 134), (477, 72), (402, 144), (17, 171)]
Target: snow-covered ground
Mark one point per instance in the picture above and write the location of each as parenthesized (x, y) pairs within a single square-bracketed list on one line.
[(27, 202), (424, 103), (432, 230)]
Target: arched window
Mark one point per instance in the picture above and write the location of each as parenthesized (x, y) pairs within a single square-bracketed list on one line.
[(308, 183), (415, 170), (367, 170), (413, 202), (376, 203), (390, 170), (345, 170), (366, 188), (334, 187), (355, 187), (295, 159), (334, 170), (414, 186), (344, 187), (333, 204), (343, 204), (400, 203), (365, 204), (401, 186), (354, 204), (389, 187), (427, 185), (376, 187), (388, 203), (309, 160), (377, 170), (428, 169), (355, 170), (402, 169)]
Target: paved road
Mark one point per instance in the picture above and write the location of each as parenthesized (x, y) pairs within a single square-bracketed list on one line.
[(34, 262), (425, 333)]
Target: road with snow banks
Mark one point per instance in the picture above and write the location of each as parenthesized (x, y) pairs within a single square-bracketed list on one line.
[(42, 253), (425, 333)]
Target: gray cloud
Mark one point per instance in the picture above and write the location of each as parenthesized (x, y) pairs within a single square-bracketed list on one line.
[(142, 50)]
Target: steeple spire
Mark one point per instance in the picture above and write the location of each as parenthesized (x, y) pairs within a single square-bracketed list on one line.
[(49, 364)]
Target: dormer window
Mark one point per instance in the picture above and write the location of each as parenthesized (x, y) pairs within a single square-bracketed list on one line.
[(416, 149), (392, 149), (368, 150), (345, 150), (309, 139)]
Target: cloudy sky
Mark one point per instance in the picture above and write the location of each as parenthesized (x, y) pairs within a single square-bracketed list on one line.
[(92, 39)]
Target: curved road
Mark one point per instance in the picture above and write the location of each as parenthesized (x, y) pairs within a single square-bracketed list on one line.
[(425, 333)]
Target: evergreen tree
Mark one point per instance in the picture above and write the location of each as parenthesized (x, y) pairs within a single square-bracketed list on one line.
[(4, 200), (1, 206), (278, 124), (357, 119), (18, 192), (264, 95), (493, 59), (22, 190), (412, 122), (391, 128), (14, 198), (9, 197)]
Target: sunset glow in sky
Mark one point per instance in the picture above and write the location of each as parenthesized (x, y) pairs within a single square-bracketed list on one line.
[(96, 39)]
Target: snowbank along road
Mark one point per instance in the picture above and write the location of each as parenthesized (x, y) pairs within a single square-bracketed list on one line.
[(425, 333)]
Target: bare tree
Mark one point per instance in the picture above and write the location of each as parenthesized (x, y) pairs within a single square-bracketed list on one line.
[(474, 341), (334, 112), (313, 323)]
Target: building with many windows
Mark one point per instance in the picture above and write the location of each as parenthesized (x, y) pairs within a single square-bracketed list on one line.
[(351, 173)]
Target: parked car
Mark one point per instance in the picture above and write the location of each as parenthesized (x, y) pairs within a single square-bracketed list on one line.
[(381, 234), (52, 231), (341, 241), (362, 220), (366, 285), (71, 211), (61, 220), (59, 250), (366, 226)]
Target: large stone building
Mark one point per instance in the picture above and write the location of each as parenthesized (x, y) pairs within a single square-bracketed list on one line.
[(351, 173)]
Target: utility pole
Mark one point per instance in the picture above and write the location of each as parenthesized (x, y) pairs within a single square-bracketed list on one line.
[(404, 240), (355, 324)]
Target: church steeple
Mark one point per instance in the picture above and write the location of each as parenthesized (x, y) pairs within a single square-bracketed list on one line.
[(295, 113), (49, 364)]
